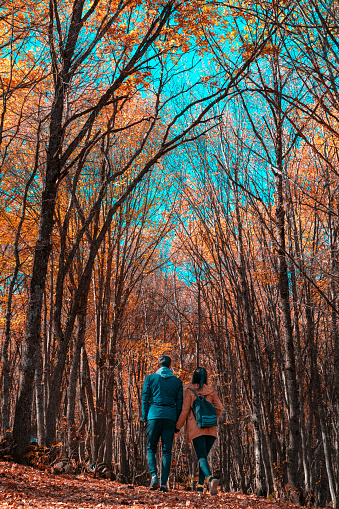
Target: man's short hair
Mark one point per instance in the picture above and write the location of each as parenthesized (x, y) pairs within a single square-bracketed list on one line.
[(165, 361)]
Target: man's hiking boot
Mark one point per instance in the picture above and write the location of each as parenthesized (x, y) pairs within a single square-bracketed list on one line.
[(200, 488), (213, 486), (163, 488), (154, 483)]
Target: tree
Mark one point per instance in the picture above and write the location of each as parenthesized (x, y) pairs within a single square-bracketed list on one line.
[(75, 37)]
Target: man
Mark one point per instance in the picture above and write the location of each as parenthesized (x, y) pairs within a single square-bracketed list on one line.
[(162, 397)]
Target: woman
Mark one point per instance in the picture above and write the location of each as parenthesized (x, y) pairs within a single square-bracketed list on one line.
[(202, 438)]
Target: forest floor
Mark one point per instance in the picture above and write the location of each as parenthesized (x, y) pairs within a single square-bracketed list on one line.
[(22, 486)]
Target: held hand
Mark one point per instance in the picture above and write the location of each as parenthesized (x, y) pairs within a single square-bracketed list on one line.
[(176, 430)]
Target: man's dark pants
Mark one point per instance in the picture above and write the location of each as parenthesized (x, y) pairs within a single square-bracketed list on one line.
[(156, 429)]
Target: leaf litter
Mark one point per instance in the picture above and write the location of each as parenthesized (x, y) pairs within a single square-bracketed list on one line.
[(22, 487)]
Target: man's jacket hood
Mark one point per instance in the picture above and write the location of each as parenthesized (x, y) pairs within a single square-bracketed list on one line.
[(164, 372)]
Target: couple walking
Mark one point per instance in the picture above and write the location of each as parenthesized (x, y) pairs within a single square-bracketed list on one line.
[(165, 409)]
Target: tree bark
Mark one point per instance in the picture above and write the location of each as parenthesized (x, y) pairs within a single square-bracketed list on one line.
[(72, 385), (293, 446), (8, 317), (248, 315), (39, 398), (334, 264), (31, 343)]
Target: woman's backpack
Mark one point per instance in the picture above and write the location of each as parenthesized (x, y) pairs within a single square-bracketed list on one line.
[(204, 412)]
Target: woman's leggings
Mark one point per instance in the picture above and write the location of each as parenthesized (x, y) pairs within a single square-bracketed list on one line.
[(202, 446)]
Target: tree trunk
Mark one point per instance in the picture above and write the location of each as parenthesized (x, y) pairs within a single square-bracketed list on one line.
[(124, 466), (87, 384), (31, 343), (39, 397), (72, 386), (109, 399), (305, 449), (333, 232), (8, 317), (293, 445), (248, 316)]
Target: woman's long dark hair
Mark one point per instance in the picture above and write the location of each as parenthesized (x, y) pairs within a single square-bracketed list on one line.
[(199, 377)]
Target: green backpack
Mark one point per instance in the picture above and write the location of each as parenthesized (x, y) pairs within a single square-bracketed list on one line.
[(204, 412)]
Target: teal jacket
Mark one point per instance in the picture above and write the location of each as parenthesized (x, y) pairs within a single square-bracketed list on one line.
[(162, 396)]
